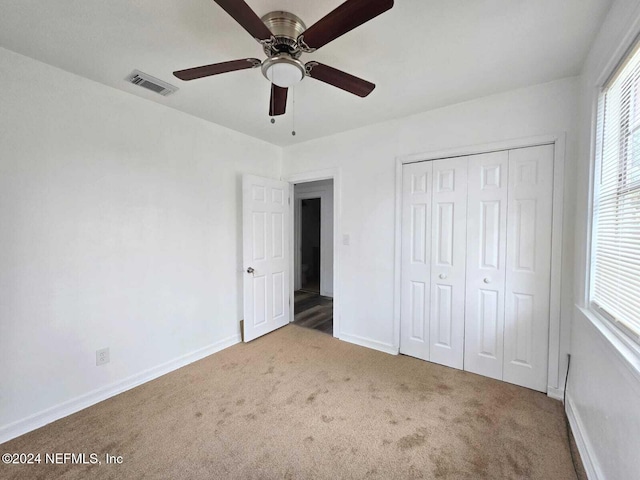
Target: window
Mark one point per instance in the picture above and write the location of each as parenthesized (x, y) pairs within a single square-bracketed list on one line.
[(615, 270)]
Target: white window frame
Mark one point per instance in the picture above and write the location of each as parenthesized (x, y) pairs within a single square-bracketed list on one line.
[(621, 333)]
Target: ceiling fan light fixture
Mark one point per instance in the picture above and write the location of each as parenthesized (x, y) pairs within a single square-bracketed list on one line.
[(283, 70)]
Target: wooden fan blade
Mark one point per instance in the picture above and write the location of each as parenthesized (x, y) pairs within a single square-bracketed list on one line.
[(217, 68), (339, 79), (247, 18), (343, 19), (278, 102)]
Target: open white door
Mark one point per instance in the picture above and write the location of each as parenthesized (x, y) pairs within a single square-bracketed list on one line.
[(265, 234)]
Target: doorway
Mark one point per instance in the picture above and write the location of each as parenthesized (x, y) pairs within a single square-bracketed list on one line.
[(310, 245), (313, 255)]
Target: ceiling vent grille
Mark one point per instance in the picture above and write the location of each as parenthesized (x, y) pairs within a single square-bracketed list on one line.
[(151, 83)]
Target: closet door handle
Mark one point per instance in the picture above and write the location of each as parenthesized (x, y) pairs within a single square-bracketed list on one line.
[(442, 276), (487, 280)]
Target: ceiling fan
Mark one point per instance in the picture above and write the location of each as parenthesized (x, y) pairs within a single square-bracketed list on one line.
[(284, 38)]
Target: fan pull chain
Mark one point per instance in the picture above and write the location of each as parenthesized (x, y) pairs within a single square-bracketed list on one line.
[(273, 120), (293, 111)]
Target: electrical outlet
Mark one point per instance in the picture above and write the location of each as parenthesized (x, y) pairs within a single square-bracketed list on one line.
[(102, 356)]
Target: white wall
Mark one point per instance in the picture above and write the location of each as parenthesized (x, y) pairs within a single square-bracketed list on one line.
[(366, 159), (120, 227), (322, 189), (604, 382)]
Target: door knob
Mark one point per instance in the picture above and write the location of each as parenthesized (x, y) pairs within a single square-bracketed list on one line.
[(250, 270), (442, 276), (487, 280)]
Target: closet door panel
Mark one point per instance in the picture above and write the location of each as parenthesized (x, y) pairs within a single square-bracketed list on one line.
[(487, 189), (448, 259), (416, 259), (528, 272)]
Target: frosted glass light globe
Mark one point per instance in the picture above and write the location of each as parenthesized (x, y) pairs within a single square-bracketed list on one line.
[(283, 70), (284, 75)]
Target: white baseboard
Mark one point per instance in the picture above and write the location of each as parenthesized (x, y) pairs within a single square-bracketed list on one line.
[(582, 441), (369, 343), (555, 393), (42, 418)]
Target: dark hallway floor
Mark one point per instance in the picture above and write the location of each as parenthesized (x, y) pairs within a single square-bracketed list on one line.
[(314, 311)]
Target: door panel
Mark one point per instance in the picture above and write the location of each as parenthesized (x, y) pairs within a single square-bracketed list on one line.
[(488, 318), (259, 286), (485, 271), (418, 316), (448, 258), (418, 227), (278, 234), (528, 268), (441, 331), (416, 248), (265, 250)]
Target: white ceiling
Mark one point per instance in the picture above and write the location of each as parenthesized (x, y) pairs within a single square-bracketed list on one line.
[(422, 54)]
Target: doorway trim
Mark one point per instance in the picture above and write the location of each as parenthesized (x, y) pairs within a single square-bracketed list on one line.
[(558, 333), (313, 176)]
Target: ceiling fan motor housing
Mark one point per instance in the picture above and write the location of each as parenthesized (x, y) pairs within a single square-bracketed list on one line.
[(285, 27), (283, 67)]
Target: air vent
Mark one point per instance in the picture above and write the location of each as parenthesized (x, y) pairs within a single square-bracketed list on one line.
[(151, 83)]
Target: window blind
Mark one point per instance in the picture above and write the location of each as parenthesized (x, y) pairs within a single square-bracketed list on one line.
[(615, 272)]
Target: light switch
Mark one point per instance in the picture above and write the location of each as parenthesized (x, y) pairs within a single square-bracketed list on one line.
[(345, 239)]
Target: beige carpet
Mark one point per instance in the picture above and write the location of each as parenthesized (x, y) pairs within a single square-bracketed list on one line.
[(299, 404)]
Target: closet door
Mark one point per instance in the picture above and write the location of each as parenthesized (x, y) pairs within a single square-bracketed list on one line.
[(448, 258), (416, 249), (486, 252), (526, 332)]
